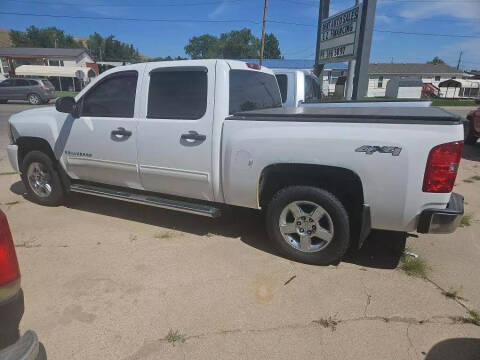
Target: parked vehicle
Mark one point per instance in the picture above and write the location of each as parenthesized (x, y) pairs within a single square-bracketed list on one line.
[(472, 127), (303, 88), (12, 346), (200, 134), (35, 91)]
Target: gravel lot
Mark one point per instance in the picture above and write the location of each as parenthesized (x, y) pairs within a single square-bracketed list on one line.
[(109, 280)]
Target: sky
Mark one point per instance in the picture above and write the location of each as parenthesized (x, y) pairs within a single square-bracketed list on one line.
[(297, 41)]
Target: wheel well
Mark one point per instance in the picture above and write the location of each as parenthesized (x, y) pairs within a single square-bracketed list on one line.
[(343, 183), (27, 144)]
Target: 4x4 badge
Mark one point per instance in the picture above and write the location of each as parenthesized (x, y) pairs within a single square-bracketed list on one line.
[(370, 149)]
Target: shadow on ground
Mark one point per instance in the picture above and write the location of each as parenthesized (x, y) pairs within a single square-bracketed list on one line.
[(472, 152), (245, 224), (458, 349)]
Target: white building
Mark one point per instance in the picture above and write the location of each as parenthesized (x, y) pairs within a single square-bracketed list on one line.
[(46, 59)]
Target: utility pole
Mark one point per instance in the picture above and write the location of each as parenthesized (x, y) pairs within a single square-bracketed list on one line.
[(350, 74), (263, 31), (459, 59), (323, 10)]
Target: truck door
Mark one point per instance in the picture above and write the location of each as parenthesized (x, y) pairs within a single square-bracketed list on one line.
[(101, 145), (175, 131)]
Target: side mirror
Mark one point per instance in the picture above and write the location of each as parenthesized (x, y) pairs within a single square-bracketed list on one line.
[(65, 104)]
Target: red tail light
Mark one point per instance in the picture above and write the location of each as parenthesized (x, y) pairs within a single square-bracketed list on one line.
[(254, 66), (9, 270), (442, 167)]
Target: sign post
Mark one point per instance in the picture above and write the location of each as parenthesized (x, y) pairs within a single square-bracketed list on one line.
[(360, 82), (323, 10)]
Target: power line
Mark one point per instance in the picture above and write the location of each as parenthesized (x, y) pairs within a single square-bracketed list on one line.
[(125, 5), (221, 21), (413, 2)]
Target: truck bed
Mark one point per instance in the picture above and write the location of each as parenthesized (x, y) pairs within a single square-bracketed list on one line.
[(407, 115)]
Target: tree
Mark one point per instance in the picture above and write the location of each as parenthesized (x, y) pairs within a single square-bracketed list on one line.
[(236, 44), (272, 49), (435, 61), (203, 47), (109, 49), (50, 37)]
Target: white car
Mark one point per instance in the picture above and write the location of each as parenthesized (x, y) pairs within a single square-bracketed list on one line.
[(197, 135)]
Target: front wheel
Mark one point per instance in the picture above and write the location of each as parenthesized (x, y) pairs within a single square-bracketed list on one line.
[(309, 225), (41, 179)]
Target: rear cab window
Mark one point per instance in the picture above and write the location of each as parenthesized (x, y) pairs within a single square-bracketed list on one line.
[(253, 90), (313, 91), (283, 85)]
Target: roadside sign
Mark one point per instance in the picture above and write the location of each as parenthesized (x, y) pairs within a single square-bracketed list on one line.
[(339, 36)]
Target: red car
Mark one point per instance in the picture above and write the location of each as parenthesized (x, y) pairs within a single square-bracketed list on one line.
[(472, 127), (12, 345)]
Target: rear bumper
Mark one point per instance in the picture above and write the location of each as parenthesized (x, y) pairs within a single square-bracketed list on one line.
[(26, 348), (442, 221), (12, 151)]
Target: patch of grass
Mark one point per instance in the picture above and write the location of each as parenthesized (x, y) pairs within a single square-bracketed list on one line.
[(466, 221), (164, 235), (12, 202), (473, 317), (65, 93), (416, 267), (452, 102), (174, 337), (471, 179), (468, 181), (8, 173)]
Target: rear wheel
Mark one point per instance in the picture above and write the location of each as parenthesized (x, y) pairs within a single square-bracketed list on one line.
[(34, 99), (308, 224), (41, 179)]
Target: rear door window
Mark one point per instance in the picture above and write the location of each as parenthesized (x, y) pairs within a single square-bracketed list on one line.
[(48, 84), (33, 82), (114, 96), (178, 94), (282, 84), (253, 90), (21, 82)]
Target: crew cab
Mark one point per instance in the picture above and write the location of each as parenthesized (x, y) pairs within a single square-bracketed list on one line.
[(303, 88), (200, 135)]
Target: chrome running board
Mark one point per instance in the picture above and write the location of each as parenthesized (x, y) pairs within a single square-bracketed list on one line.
[(152, 200)]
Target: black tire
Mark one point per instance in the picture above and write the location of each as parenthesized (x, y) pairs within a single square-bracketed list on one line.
[(57, 193), (34, 99), (331, 253)]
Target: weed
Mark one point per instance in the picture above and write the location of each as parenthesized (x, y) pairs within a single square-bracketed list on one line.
[(416, 267), (466, 221), (8, 173), (174, 336), (328, 323), (12, 202), (471, 179), (472, 318), (468, 181), (475, 177), (452, 293)]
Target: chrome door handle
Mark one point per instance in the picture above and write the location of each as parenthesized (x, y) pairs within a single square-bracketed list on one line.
[(193, 135), (121, 132)]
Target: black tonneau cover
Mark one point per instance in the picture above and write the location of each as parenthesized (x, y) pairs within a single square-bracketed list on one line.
[(389, 115)]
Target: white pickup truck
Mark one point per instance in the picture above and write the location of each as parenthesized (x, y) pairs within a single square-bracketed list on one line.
[(198, 135), (303, 88)]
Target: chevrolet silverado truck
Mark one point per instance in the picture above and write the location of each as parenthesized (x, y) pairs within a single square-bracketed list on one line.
[(198, 135), (303, 88)]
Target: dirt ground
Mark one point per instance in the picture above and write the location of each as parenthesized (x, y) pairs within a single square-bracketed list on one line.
[(110, 280)]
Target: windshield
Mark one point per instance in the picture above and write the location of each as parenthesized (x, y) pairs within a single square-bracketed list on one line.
[(252, 90)]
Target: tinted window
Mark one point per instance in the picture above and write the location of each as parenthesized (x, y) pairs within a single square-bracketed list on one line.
[(21, 82), (312, 88), (252, 90), (48, 84), (112, 97), (177, 94), (33, 82), (282, 84), (6, 83)]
